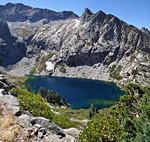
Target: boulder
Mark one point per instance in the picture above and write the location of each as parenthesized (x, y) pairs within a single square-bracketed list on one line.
[(11, 102), (48, 124), (2, 92), (5, 83), (84, 122), (72, 132)]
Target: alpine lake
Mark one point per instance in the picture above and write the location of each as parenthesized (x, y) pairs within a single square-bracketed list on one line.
[(80, 93)]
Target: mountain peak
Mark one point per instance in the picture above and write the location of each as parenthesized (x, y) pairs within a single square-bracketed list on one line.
[(86, 16), (99, 17), (15, 4), (101, 13), (87, 12), (146, 31), (9, 4)]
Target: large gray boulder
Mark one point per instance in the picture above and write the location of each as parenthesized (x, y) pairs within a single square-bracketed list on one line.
[(11, 102), (47, 124), (73, 132)]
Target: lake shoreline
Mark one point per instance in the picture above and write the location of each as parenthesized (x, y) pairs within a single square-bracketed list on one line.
[(83, 82), (71, 77)]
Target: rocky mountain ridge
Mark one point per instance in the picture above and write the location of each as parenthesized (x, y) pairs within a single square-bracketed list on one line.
[(96, 46), (19, 12)]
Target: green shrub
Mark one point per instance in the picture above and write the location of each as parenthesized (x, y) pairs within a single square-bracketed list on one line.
[(41, 67), (103, 128), (62, 68), (64, 122), (132, 58), (32, 71), (136, 130), (17, 92), (115, 72), (40, 63), (34, 104), (4, 73), (127, 121), (19, 81), (38, 107), (135, 110), (112, 68)]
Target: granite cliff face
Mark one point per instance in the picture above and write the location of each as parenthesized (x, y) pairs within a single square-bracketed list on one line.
[(9, 46), (97, 46)]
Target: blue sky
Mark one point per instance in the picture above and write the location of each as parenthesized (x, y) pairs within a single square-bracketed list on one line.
[(135, 12)]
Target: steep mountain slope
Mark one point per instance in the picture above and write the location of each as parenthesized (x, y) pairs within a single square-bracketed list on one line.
[(97, 46), (9, 46), (12, 46)]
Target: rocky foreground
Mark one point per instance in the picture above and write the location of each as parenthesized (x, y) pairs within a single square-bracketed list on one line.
[(17, 127)]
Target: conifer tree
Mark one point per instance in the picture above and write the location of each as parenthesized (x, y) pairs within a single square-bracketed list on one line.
[(57, 97), (92, 108), (42, 92), (29, 88), (35, 91), (90, 114), (63, 100), (96, 109)]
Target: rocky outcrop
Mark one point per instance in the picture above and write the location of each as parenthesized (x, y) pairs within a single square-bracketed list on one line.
[(86, 16), (45, 123), (5, 83), (84, 122), (17, 127), (11, 102), (26, 128), (146, 31), (72, 132)]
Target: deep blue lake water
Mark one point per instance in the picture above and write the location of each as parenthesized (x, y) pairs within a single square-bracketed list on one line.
[(80, 93)]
